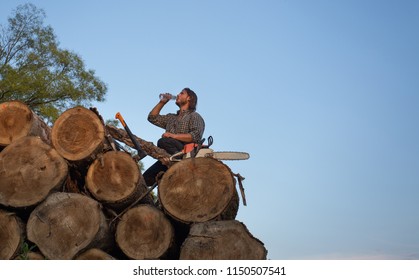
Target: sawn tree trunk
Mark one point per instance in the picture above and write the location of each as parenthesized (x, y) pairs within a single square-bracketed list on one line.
[(198, 190), (115, 180), (17, 120), (12, 233), (30, 170), (78, 135), (144, 232), (222, 240), (65, 224)]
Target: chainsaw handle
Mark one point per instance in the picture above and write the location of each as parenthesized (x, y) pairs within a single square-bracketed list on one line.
[(173, 158)]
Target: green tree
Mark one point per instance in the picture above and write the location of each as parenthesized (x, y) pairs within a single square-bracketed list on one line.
[(36, 71)]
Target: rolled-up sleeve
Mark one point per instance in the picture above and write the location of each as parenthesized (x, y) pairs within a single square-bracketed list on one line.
[(159, 120), (196, 126)]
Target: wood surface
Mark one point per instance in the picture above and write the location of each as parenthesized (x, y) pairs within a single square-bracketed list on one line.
[(222, 240), (196, 189), (144, 232), (30, 170), (78, 134), (67, 223), (17, 120)]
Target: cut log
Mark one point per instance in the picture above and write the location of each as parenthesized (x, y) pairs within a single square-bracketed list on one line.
[(67, 223), (115, 180), (11, 235), (17, 120), (222, 240), (29, 171), (78, 135), (198, 190), (94, 254), (144, 232)]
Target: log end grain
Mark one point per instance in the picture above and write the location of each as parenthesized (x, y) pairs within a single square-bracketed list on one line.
[(77, 134), (11, 235), (113, 177), (222, 240), (29, 171), (196, 189), (65, 224), (144, 232), (15, 121)]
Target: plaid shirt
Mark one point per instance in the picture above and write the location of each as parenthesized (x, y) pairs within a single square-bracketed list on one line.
[(186, 121)]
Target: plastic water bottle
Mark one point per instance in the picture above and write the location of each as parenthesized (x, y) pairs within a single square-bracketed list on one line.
[(167, 95)]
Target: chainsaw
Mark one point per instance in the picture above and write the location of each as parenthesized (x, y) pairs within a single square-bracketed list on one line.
[(194, 150)]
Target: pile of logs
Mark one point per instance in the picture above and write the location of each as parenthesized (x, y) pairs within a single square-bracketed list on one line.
[(67, 193)]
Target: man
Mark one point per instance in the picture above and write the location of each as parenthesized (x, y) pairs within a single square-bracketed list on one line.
[(186, 126)]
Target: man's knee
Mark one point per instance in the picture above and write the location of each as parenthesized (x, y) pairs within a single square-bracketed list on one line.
[(170, 145)]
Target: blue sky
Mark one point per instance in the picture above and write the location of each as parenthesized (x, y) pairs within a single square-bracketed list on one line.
[(324, 95)]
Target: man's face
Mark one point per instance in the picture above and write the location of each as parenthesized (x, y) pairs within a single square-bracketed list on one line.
[(182, 98)]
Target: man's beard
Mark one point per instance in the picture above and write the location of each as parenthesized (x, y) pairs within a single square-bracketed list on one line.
[(180, 103)]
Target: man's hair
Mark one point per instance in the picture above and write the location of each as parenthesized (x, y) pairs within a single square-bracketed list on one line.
[(193, 101)]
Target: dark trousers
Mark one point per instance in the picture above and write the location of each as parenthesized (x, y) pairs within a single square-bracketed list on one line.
[(170, 145)]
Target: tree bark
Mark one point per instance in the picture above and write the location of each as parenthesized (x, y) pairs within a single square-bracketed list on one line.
[(29, 171), (66, 224), (115, 180), (198, 190), (222, 240), (151, 150), (11, 235), (17, 120), (78, 135), (144, 232)]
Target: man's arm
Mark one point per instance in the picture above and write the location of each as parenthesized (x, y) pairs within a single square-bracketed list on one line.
[(154, 116), (156, 110), (184, 137)]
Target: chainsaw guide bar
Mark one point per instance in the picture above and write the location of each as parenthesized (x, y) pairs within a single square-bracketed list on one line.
[(228, 155)]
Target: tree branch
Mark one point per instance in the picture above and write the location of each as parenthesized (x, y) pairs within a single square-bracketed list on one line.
[(151, 150)]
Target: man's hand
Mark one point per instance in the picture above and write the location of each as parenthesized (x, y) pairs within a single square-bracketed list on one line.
[(168, 135), (165, 97)]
